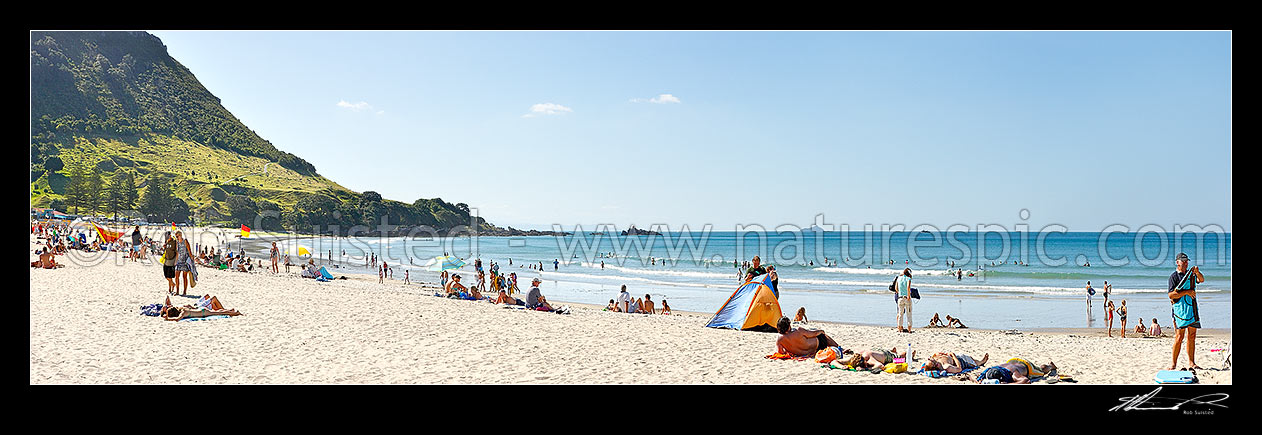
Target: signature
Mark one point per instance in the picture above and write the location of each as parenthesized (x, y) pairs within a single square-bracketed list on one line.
[(1137, 402)]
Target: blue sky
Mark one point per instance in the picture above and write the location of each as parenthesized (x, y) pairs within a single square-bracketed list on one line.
[(1083, 129)]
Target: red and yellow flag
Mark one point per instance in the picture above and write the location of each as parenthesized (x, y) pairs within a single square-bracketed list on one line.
[(245, 231), (107, 236)]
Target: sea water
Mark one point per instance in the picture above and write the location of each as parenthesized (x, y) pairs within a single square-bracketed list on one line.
[(1044, 288)]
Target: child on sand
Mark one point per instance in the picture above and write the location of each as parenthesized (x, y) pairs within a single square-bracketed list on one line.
[(801, 315)]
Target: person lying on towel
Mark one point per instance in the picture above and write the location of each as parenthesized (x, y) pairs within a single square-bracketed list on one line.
[(875, 358), (953, 362), (205, 307), (800, 341), (1015, 371)]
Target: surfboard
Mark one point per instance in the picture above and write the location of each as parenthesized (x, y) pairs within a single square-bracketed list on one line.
[(1175, 377)]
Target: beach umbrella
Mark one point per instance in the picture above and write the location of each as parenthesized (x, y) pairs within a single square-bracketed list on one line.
[(301, 250), (444, 262)]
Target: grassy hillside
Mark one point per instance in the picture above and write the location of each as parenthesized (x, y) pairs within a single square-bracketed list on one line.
[(117, 101), (203, 175)]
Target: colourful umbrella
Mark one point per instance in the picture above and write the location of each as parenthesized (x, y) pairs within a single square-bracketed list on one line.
[(302, 250), (444, 262)]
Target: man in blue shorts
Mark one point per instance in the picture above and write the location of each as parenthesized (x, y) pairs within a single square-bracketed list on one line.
[(1183, 308)]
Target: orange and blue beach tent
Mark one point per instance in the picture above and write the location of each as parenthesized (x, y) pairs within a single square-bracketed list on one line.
[(754, 306)]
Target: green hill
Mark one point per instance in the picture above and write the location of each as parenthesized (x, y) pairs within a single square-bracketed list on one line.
[(112, 101)]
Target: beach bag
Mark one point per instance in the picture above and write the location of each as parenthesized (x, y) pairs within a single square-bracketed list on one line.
[(828, 355), (896, 368), (915, 294), (892, 284)]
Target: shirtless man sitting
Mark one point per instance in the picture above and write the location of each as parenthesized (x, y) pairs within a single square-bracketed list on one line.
[(504, 298), (800, 341), (47, 261), (953, 362), (1012, 372), (646, 307)]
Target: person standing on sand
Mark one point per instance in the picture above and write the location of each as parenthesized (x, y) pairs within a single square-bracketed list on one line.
[(136, 244), (902, 285), (1121, 314), (168, 261), (182, 268), (1108, 316), (1183, 309), (275, 258)]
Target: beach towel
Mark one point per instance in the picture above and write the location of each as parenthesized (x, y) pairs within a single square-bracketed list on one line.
[(325, 273), (784, 356), (194, 319), (1034, 371), (151, 310), (942, 373)]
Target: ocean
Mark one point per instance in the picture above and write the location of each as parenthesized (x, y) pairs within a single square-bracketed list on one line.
[(1010, 280)]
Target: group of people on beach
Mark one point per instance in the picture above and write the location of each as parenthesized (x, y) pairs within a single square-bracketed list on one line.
[(804, 342), (624, 303)]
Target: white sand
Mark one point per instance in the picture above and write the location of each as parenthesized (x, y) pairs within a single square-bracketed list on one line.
[(86, 328)]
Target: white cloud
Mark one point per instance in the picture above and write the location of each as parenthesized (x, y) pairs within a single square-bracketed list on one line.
[(665, 98), (660, 99), (381, 112), (546, 109), (354, 106)]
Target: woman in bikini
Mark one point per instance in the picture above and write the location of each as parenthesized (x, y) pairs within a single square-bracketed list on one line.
[(1108, 317), (206, 306), (665, 308), (953, 363), (1121, 314), (875, 359), (801, 315)]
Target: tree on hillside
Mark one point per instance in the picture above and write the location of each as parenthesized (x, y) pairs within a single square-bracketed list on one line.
[(80, 193), (242, 209), (121, 193), (157, 201), (312, 211)]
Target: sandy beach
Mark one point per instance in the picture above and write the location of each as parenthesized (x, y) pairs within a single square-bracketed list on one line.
[(86, 329)]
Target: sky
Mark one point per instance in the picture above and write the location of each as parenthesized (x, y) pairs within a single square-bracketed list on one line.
[(1081, 129)]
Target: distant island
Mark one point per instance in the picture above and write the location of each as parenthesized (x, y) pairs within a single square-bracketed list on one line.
[(633, 231)]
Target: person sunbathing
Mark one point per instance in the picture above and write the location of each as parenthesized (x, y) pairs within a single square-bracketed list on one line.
[(935, 322), (875, 359), (205, 307), (954, 322), (1139, 328), (1155, 330), (1015, 371), (613, 306), (953, 362), (665, 308), (800, 341), (504, 298)]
